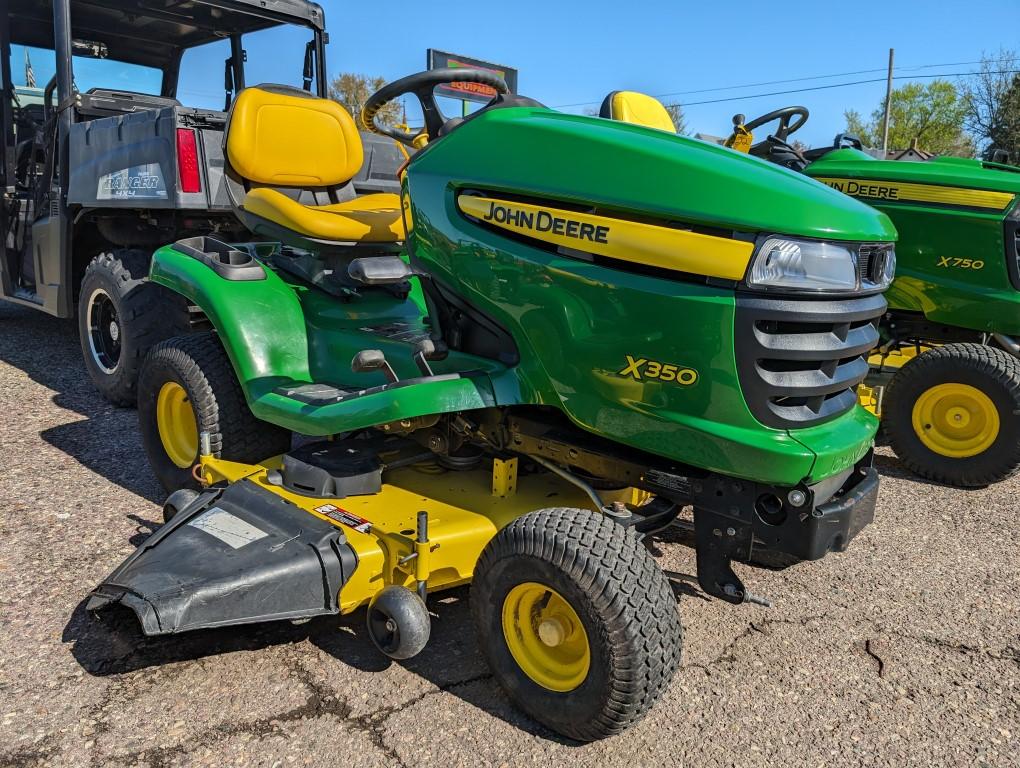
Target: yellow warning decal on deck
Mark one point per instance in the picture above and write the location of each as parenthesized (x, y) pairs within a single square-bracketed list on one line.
[(920, 193), (647, 244)]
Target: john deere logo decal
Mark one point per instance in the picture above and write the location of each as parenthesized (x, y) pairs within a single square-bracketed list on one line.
[(921, 193), (544, 221)]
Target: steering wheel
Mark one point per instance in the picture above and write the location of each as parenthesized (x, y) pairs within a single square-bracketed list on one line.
[(784, 117), (422, 85)]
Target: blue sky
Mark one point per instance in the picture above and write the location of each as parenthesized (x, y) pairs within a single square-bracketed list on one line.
[(570, 54)]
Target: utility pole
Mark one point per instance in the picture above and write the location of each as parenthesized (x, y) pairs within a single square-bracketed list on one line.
[(888, 106)]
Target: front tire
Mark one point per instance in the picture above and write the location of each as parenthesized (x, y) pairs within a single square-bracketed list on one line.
[(952, 415), (577, 621), (187, 386), (121, 315)]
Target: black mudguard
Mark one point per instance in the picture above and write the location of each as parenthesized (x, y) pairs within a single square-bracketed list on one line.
[(233, 556)]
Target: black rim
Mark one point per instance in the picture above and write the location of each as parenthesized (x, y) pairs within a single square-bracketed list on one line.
[(104, 331), (384, 631)]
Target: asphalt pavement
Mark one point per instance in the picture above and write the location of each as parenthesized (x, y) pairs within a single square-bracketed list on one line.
[(903, 651)]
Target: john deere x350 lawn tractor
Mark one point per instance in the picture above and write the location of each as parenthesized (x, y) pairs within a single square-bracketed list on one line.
[(563, 333), (946, 377)]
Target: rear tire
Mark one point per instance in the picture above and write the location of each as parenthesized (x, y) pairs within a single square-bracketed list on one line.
[(121, 316), (611, 641), (187, 386), (952, 415)]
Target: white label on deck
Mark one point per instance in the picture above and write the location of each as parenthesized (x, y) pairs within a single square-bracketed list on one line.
[(228, 528)]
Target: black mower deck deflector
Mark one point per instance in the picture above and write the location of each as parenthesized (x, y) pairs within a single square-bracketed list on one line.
[(233, 556)]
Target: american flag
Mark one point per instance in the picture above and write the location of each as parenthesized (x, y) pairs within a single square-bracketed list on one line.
[(29, 72)]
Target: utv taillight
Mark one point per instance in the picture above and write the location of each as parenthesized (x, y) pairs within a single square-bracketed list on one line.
[(187, 161)]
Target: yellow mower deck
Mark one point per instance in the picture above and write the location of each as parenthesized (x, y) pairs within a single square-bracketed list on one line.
[(465, 510)]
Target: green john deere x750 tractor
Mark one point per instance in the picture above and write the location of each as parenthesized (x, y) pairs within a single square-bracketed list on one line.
[(946, 378), (564, 332)]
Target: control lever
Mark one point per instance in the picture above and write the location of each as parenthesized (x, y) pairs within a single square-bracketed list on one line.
[(425, 350), (373, 360)]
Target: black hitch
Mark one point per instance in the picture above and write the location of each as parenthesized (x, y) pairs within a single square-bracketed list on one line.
[(734, 518), (721, 538)]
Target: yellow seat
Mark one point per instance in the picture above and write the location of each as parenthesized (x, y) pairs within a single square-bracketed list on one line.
[(281, 138), (637, 108), (367, 219)]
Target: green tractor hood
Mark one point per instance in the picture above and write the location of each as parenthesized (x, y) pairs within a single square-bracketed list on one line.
[(646, 172)]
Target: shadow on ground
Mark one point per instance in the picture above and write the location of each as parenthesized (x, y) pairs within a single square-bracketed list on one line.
[(110, 642), (105, 440)]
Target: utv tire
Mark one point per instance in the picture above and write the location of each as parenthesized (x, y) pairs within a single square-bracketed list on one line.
[(187, 386), (592, 619), (121, 316), (952, 415)]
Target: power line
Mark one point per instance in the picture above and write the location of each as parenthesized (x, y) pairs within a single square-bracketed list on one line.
[(904, 68), (819, 77), (844, 85)]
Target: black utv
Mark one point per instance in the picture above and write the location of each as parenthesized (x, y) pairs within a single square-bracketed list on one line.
[(102, 161)]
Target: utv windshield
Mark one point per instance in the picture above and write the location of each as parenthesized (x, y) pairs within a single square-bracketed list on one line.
[(273, 55), (33, 67)]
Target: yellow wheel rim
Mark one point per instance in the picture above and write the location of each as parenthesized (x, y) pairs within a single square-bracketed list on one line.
[(175, 419), (955, 420), (545, 636)]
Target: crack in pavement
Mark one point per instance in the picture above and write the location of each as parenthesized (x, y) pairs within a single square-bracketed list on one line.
[(868, 649), (727, 655), (321, 702), (29, 757)]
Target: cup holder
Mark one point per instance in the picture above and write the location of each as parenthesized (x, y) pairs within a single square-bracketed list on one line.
[(228, 262)]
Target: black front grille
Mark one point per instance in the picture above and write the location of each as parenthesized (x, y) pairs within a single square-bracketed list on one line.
[(800, 360)]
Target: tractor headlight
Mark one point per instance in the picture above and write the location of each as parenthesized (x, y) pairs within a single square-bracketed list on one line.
[(804, 265), (882, 269)]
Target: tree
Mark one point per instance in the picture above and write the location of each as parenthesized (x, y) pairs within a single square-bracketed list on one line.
[(1005, 132), (352, 90), (988, 117), (932, 115), (676, 112)]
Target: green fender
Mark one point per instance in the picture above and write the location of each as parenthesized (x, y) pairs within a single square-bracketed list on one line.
[(265, 331), (260, 322)]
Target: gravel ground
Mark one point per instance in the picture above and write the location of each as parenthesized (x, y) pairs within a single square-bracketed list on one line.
[(903, 651)]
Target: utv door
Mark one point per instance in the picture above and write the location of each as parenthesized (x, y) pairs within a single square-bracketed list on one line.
[(35, 231)]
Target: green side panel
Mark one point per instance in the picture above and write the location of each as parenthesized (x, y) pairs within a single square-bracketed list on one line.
[(951, 261), (279, 333), (630, 168), (931, 276)]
